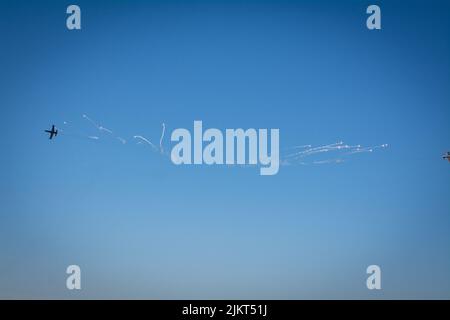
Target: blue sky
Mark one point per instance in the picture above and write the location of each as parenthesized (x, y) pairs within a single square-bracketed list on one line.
[(141, 227)]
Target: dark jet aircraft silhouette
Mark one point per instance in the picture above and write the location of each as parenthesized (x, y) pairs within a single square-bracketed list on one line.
[(53, 132), (447, 156)]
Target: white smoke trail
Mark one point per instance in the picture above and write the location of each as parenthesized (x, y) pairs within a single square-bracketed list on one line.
[(340, 148), (367, 149), (93, 137), (301, 147), (320, 149), (328, 161), (105, 129), (162, 137), (91, 121), (99, 127), (146, 141), (286, 162), (121, 140)]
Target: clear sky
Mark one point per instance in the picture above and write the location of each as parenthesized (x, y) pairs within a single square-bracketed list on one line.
[(141, 227)]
